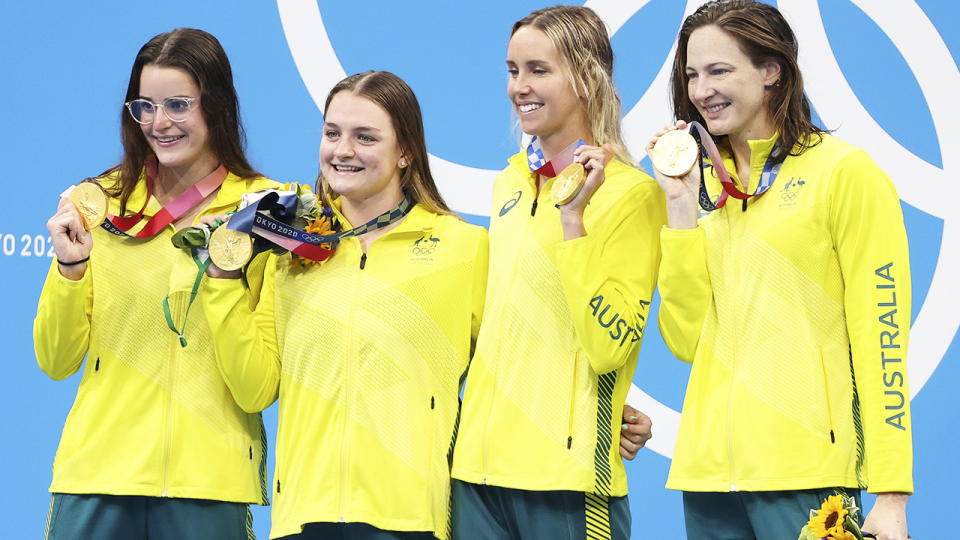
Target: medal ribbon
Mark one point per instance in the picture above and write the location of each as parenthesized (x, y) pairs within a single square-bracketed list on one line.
[(770, 170), (119, 225), (202, 266), (549, 169), (259, 220)]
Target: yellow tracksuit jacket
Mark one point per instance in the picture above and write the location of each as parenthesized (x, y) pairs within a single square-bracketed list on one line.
[(150, 417), (561, 332), (795, 313), (366, 352)]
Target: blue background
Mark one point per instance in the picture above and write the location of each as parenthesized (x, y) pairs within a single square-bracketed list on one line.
[(64, 69)]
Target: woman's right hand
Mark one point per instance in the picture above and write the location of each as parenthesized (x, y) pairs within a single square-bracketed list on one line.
[(71, 242), (682, 193), (214, 271)]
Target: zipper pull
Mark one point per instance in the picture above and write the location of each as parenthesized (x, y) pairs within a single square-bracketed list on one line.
[(744, 209), (533, 209), (363, 261)]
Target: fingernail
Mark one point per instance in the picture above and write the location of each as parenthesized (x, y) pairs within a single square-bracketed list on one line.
[(623, 427), (631, 418)]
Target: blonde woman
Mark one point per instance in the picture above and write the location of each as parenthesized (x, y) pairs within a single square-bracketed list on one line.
[(567, 304)]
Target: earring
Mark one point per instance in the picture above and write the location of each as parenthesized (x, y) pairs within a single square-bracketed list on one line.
[(403, 162)]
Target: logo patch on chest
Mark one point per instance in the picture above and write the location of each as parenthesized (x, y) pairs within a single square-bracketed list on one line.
[(791, 191), (424, 248)]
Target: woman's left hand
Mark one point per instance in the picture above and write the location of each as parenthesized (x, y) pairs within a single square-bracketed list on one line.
[(887, 519)]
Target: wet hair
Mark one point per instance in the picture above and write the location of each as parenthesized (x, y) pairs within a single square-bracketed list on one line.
[(203, 58), (764, 36), (395, 97), (581, 40)]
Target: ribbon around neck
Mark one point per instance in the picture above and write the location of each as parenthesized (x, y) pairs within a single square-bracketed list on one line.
[(770, 170), (189, 199), (539, 164), (268, 220)]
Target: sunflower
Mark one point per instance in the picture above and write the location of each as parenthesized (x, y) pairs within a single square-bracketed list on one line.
[(321, 225), (828, 523)]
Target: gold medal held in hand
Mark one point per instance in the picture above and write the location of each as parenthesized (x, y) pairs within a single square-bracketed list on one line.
[(91, 203), (675, 153), (567, 184), (230, 249)]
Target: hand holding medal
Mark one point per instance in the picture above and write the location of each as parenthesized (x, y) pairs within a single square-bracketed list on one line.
[(82, 207), (91, 202), (586, 171), (228, 250), (674, 154)]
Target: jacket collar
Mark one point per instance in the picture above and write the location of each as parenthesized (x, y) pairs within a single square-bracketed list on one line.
[(759, 151)]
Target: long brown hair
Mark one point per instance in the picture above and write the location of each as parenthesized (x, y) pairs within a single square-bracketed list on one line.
[(580, 38), (396, 98), (764, 36), (199, 54)]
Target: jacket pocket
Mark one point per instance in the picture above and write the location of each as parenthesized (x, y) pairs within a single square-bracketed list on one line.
[(572, 408), (826, 394)]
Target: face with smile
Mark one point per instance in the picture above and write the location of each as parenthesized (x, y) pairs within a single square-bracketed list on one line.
[(540, 90), (360, 156), (183, 146), (726, 88)]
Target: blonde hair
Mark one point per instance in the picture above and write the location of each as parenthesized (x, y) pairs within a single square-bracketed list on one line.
[(581, 40), (397, 98)]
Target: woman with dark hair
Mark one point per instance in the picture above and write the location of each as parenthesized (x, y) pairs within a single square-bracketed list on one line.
[(793, 305), (365, 350), (571, 280), (154, 446)]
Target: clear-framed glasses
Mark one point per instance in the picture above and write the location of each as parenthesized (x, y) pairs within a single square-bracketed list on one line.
[(175, 108)]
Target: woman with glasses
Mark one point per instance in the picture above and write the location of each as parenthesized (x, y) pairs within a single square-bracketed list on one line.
[(154, 445), (366, 349), (571, 280), (792, 301)]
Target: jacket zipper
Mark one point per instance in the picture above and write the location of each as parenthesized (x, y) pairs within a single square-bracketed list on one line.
[(733, 381), (344, 455)]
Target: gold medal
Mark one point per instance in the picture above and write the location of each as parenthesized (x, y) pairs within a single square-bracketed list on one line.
[(230, 249), (567, 184), (91, 203), (675, 153)]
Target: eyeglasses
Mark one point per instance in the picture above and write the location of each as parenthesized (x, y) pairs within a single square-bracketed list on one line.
[(176, 109)]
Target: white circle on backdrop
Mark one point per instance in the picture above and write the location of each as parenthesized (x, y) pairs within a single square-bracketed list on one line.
[(922, 185)]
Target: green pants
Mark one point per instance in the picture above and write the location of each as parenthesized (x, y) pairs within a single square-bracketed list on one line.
[(353, 531), (494, 513), (753, 515), (126, 517)]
